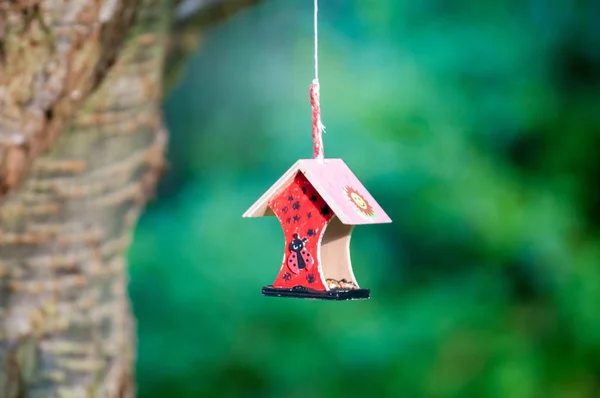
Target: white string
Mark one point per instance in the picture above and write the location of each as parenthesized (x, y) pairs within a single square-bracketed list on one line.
[(316, 80), (316, 41), (318, 128)]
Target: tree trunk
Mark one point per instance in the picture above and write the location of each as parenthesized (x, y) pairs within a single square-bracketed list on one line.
[(81, 149), (67, 328)]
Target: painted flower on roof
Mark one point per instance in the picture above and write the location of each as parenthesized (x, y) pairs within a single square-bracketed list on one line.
[(363, 207)]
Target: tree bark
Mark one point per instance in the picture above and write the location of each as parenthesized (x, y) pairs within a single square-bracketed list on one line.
[(81, 149), (67, 328)]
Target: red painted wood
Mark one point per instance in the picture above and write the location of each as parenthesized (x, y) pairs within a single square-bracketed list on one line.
[(302, 211)]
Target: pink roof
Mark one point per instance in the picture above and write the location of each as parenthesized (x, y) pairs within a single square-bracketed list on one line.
[(338, 186)]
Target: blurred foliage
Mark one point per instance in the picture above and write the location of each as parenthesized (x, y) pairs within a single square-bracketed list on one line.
[(476, 125)]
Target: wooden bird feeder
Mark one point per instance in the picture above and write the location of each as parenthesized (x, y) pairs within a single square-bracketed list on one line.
[(318, 203)]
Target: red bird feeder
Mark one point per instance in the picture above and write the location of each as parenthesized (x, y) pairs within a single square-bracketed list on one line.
[(318, 203)]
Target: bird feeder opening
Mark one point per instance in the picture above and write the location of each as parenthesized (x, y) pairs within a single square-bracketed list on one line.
[(335, 256)]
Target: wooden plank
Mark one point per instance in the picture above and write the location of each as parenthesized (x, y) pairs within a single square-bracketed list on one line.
[(335, 251)]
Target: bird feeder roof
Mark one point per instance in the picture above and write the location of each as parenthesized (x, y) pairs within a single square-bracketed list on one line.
[(336, 184)]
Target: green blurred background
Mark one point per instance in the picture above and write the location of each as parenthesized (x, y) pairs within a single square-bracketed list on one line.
[(475, 124)]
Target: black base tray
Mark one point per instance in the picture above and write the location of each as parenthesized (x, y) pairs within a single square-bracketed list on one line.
[(305, 293)]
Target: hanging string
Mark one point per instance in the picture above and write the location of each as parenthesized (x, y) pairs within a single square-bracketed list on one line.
[(315, 98), (316, 34)]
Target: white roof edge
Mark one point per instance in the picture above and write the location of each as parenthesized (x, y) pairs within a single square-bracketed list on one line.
[(260, 207)]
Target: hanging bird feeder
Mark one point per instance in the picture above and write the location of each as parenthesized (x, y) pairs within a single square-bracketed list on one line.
[(318, 202)]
